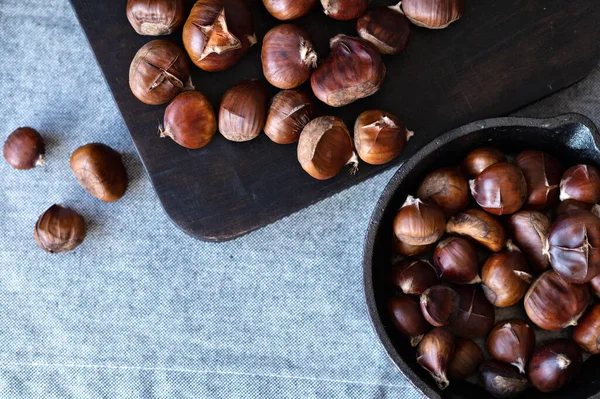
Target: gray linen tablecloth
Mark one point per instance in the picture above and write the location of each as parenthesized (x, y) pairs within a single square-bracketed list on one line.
[(141, 310)]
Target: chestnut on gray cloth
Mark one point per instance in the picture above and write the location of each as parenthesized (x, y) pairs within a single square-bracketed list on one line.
[(140, 310)]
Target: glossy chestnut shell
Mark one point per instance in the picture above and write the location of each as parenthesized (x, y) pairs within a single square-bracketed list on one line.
[(418, 223), (414, 276), (466, 360), (24, 149), (475, 317), (155, 17), (433, 14), (243, 111), (542, 173), (513, 342), (530, 231), (457, 260), (434, 353), (190, 120), (289, 9), (581, 183), (479, 226), (479, 159), (406, 316), (501, 380), (506, 278), (386, 27), (289, 112), (379, 136), (554, 364), (344, 10), (587, 331), (439, 305), (448, 188), (500, 189)]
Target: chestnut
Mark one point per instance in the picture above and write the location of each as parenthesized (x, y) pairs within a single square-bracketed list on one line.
[(554, 364), (542, 173), (344, 9), (500, 189), (506, 277), (386, 27), (457, 259), (434, 353), (325, 147), (352, 70), (439, 305), (243, 111), (475, 316), (288, 57), (24, 149), (410, 250), (512, 341), (190, 120), (218, 33), (414, 276), (433, 14), (581, 183), (155, 17), (595, 285), (379, 136), (289, 9), (571, 205), (59, 229), (100, 171), (407, 318), (289, 112), (477, 160), (448, 188), (587, 331), (418, 223), (553, 304), (466, 360), (574, 246), (480, 226), (159, 71), (530, 231), (501, 380)]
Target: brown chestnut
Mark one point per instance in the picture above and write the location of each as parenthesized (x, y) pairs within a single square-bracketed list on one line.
[(410, 250), (466, 360), (59, 229), (448, 188), (386, 27), (100, 171), (587, 331), (553, 304), (554, 364), (24, 149), (155, 17), (325, 147), (475, 317), (581, 183), (506, 277), (457, 260), (288, 57), (433, 14), (595, 285), (352, 70), (407, 318), (571, 205), (243, 111), (477, 160), (418, 223), (501, 380), (414, 276), (379, 136), (344, 9), (190, 120), (434, 353), (289, 113), (542, 173), (574, 246), (480, 226), (218, 33), (512, 341), (159, 71), (500, 189), (289, 9), (530, 231), (439, 305)]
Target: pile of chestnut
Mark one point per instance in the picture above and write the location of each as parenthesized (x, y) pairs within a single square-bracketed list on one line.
[(217, 34), (523, 232)]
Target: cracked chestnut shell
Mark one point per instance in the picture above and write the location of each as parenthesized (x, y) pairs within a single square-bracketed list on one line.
[(530, 231), (414, 276), (24, 149), (500, 189), (159, 71), (289, 113), (457, 260), (289, 9), (479, 226), (581, 183), (587, 331), (344, 9), (506, 277), (379, 136), (155, 17), (386, 27), (218, 33), (439, 305), (554, 364), (59, 229), (513, 342), (433, 14), (243, 111), (352, 70), (418, 223), (542, 173), (448, 188), (475, 316)]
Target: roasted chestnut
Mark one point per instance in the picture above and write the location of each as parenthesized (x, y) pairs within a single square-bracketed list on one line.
[(480, 226), (542, 173), (100, 171), (352, 70), (288, 9), (466, 360), (475, 316), (500, 189), (581, 183), (218, 33), (155, 17), (190, 120), (344, 9), (506, 277), (407, 318), (287, 56), (418, 223), (530, 231), (289, 113), (410, 250), (571, 205), (457, 259), (554, 364), (553, 304), (379, 136), (414, 276), (479, 159), (448, 188), (433, 14), (512, 341), (574, 246), (587, 331), (59, 229), (24, 149), (325, 147), (434, 353), (439, 305), (501, 380), (243, 111), (386, 27)]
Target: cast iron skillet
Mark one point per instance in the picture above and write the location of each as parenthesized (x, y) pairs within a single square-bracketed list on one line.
[(572, 138)]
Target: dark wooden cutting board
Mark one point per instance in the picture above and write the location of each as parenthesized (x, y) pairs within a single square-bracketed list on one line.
[(502, 55)]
